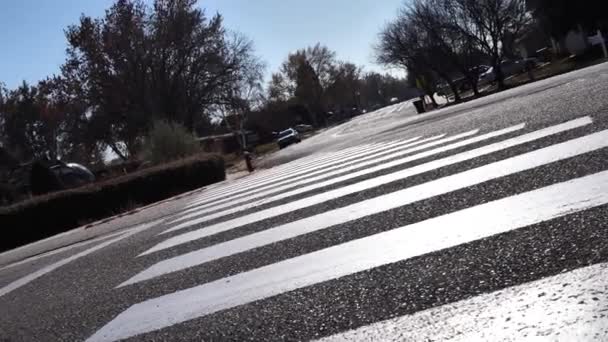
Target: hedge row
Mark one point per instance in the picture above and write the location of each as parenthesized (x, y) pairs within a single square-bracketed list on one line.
[(47, 215)]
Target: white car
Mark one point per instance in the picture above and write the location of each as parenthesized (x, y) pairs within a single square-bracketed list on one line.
[(288, 137)]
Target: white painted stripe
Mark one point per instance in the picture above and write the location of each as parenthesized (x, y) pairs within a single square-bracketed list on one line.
[(333, 165), (315, 159), (291, 168), (49, 268), (407, 195), (310, 160), (61, 250), (283, 171), (260, 176), (242, 196), (324, 174), (353, 212), (318, 183), (320, 158), (564, 307), (356, 256), (263, 175), (300, 173)]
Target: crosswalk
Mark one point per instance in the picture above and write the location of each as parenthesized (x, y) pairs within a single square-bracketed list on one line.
[(386, 221)]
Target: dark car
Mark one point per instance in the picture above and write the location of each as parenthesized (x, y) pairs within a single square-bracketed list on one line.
[(509, 68), (72, 175), (288, 137)]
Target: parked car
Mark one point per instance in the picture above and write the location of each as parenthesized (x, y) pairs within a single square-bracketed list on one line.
[(72, 175), (480, 69), (509, 68), (303, 128), (288, 137)]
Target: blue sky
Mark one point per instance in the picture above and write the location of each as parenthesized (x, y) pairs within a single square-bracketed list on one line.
[(33, 45)]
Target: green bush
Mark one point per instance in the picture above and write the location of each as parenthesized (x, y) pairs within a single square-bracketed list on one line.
[(169, 141), (57, 212)]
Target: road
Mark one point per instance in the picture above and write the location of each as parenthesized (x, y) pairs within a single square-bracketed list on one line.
[(482, 221)]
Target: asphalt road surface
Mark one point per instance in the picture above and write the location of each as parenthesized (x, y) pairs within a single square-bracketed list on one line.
[(482, 221)]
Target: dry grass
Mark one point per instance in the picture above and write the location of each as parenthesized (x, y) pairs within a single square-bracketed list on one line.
[(266, 148)]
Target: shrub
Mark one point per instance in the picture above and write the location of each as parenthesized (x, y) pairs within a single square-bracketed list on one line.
[(43, 180), (50, 214), (169, 141)]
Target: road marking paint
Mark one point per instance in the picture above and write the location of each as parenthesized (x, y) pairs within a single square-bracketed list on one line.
[(512, 314), (243, 196), (330, 162), (61, 250), (322, 174), (356, 256), (367, 184), (305, 177), (313, 160), (281, 192), (333, 165), (49, 268), (273, 172), (372, 206), (265, 175)]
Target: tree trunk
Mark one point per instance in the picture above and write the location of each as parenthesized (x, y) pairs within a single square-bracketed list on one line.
[(500, 79), (454, 89), (116, 150), (473, 84), (499, 75), (313, 116)]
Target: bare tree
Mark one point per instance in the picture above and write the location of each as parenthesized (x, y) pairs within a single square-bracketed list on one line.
[(141, 63), (406, 45), (321, 60), (304, 77), (3, 96), (492, 24), (345, 86), (245, 94), (434, 17), (278, 90), (309, 92)]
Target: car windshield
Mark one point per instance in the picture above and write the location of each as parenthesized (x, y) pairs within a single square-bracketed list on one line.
[(284, 134)]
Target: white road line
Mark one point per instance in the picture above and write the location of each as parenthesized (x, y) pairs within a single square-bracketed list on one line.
[(369, 207), (389, 201), (264, 175), (49, 268), (289, 167), (333, 165), (308, 161), (541, 310), (315, 169), (308, 177), (283, 171), (281, 192), (318, 159), (356, 256), (316, 176), (61, 250), (242, 196)]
